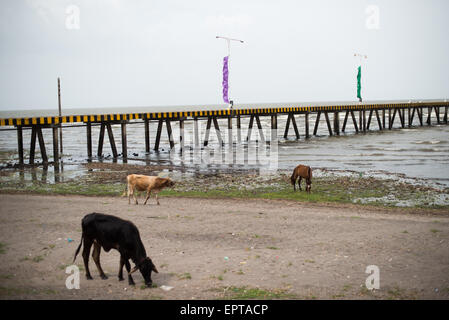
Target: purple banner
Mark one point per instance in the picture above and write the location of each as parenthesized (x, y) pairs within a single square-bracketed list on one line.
[(225, 79)]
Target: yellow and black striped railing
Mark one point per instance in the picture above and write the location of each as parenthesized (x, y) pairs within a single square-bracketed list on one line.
[(206, 113)]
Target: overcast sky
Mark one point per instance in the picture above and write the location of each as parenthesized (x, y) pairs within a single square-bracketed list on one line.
[(155, 53)]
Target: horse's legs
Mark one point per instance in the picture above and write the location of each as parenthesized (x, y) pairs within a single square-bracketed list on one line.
[(299, 183)]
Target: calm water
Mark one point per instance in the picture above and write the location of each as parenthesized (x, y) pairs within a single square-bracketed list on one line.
[(417, 152)]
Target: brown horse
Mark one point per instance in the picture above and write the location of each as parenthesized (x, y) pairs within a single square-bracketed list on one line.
[(302, 172)]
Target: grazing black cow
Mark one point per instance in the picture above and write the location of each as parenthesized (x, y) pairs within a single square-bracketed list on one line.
[(109, 232)]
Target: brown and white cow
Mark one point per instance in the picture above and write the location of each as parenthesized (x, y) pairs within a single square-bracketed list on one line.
[(139, 182)]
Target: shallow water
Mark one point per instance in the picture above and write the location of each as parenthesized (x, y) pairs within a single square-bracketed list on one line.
[(416, 152)]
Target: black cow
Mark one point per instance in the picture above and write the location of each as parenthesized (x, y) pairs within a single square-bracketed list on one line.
[(109, 232)]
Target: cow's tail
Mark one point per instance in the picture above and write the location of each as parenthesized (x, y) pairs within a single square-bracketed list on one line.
[(79, 247), (124, 194)]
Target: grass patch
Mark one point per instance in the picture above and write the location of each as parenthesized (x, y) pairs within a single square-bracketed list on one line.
[(245, 293), (329, 188), (309, 261), (2, 248), (38, 259), (184, 276)]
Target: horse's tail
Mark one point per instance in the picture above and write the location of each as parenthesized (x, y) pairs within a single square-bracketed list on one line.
[(309, 173), (79, 247)]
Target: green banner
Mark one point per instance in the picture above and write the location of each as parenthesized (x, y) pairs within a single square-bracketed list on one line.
[(359, 83)]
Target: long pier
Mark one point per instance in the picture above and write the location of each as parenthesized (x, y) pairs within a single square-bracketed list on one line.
[(362, 116)]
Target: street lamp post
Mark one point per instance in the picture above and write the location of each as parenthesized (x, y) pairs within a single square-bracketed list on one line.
[(227, 64), (359, 75)]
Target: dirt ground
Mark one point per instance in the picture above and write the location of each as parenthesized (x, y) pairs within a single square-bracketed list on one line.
[(214, 248)]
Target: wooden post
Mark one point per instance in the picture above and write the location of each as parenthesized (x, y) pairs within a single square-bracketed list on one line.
[(33, 144), (60, 115), (217, 131), (392, 118), (181, 135), (306, 115), (345, 121), (437, 113), (124, 142), (101, 140), (420, 115), (111, 140), (295, 127), (355, 122), (196, 132), (378, 120), (89, 140), (369, 119), (250, 127), (364, 120), (55, 146), (328, 123), (42, 144), (206, 136), (317, 121), (147, 135), (20, 144), (360, 120), (383, 119), (170, 134), (445, 114), (429, 115), (158, 135), (287, 125), (410, 123), (259, 126), (274, 127), (337, 123), (239, 133), (389, 119), (409, 112), (401, 117), (230, 131)]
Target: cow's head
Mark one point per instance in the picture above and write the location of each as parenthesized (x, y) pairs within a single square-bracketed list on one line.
[(145, 268)]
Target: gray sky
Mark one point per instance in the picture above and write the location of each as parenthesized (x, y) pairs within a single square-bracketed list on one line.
[(153, 53)]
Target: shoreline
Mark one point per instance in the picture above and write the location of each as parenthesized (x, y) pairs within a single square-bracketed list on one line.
[(343, 187)]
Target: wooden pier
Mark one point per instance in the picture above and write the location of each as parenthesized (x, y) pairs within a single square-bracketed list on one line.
[(379, 115)]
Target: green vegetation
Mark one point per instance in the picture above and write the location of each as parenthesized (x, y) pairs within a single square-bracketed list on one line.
[(2, 248), (184, 276), (38, 259), (328, 188), (245, 293)]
